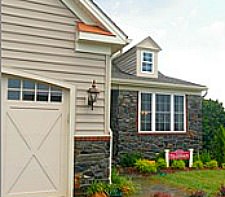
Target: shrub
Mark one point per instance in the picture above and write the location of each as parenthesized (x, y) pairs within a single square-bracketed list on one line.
[(161, 194), (96, 187), (204, 157), (223, 166), (159, 155), (146, 166), (198, 193), (178, 164), (198, 164), (222, 191), (113, 190), (161, 163), (212, 164), (129, 159), (122, 183), (118, 179)]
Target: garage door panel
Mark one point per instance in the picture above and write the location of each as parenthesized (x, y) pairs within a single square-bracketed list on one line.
[(38, 146), (52, 146), (33, 178), (17, 155), (35, 148), (34, 124)]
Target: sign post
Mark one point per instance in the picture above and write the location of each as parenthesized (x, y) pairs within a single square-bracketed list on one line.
[(179, 155), (191, 150), (167, 157)]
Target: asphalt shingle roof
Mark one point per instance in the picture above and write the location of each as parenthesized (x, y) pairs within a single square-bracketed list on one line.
[(119, 74)]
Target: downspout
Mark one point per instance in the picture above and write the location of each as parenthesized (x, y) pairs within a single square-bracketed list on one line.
[(110, 131), (108, 62), (110, 156), (206, 92)]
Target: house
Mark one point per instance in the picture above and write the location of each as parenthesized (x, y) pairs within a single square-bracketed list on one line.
[(51, 52), (56, 53), (151, 112)]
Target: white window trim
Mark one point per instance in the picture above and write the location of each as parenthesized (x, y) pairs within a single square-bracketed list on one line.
[(35, 92), (153, 64), (154, 109)]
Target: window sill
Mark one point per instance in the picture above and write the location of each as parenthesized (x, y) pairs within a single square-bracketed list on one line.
[(162, 132), (147, 72)]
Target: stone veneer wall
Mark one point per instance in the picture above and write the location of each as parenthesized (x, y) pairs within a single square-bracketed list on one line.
[(124, 116), (91, 160)]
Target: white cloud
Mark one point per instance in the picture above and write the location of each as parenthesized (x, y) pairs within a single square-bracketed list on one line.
[(194, 12), (213, 34)]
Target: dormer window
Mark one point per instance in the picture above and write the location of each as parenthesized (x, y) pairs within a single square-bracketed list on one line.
[(147, 62)]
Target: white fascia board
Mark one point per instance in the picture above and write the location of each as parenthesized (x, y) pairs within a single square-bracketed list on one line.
[(104, 20), (133, 83), (100, 38), (93, 48)]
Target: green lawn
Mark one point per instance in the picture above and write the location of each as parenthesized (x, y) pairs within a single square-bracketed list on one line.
[(206, 180)]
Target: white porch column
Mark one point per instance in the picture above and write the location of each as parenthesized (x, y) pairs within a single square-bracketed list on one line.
[(191, 150), (167, 157)]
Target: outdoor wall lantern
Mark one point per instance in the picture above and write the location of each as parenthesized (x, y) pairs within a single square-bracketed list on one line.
[(93, 93)]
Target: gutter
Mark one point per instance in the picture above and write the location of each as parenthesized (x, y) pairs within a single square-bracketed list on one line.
[(133, 83)]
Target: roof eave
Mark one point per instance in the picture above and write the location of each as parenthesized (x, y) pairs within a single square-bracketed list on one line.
[(138, 83)]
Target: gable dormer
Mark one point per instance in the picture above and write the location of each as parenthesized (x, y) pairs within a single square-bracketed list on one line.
[(147, 58), (141, 60)]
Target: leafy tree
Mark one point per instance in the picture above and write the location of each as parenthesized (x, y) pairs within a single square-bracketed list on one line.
[(219, 145), (213, 119)]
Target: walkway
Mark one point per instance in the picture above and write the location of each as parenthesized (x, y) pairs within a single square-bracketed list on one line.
[(148, 187)]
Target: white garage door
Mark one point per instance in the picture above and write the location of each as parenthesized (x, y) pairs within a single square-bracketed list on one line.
[(34, 139)]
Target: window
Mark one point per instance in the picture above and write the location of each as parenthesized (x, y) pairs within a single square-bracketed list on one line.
[(29, 90), (147, 62), (14, 86), (161, 112), (178, 113), (56, 94), (146, 112), (42, 92)]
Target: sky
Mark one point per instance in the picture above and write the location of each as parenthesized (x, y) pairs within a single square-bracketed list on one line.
[(191, 34)]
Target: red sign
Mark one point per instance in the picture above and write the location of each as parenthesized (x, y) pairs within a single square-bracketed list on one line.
[(179, 154)]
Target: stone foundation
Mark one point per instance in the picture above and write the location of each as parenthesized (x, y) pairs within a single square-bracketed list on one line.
[(91, 160), (124, 123)]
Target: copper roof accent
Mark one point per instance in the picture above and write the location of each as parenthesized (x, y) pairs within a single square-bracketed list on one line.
[(92, 29)]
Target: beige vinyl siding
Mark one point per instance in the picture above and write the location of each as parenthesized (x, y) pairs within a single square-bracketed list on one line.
[(127, 61), (49, 7), (39, 36)]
